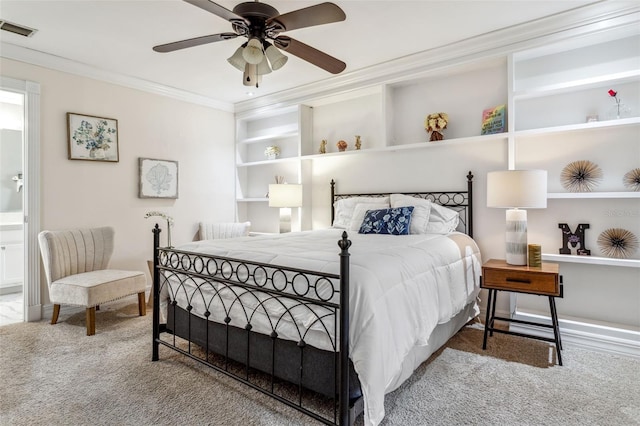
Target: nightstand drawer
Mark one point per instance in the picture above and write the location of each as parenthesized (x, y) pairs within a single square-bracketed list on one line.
[(522, 281)]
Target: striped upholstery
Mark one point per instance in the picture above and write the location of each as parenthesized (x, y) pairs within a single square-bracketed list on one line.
[(214, 231), (75, 251), (76, 266)]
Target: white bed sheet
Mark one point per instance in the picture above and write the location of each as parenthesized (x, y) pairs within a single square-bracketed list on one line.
[(401, 288)]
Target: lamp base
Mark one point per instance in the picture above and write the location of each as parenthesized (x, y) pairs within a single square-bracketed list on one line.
[(516, 237), (285, 220)]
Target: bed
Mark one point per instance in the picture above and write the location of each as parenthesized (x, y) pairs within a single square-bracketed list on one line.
[(326, 321)]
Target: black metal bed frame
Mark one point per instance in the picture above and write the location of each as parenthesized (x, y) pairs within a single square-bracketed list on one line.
[(460, 201), (238, 290)]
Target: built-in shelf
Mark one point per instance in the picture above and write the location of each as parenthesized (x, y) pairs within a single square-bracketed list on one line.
[(269, 137), (579, 127), (252, 200), (263, 162), (591, 260), (585, 83), (416, 146), (592, 195)]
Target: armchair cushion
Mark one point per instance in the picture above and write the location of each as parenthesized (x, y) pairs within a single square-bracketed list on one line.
[(97, 287)]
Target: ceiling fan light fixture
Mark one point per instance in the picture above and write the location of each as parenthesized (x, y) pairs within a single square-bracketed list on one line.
[(263, 67), (251, 76), (237, 60), (253, 53), (276, 58)]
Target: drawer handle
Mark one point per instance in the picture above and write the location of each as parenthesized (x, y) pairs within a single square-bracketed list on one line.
[(518, 280)]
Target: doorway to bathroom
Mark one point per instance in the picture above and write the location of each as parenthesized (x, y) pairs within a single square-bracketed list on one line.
[(12, 249)]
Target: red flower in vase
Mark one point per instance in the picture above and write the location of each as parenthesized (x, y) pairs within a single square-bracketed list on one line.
[(614, 95)]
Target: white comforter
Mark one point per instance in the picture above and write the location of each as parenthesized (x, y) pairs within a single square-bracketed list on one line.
[(401, 287)]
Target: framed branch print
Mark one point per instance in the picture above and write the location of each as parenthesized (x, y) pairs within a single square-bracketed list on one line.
[(92, 138), (158, 178)]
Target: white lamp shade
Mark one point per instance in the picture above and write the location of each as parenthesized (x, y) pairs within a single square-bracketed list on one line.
[(285, 195), (276, 58), (237, 60), (263, 67), (517, 189), (253, 53)]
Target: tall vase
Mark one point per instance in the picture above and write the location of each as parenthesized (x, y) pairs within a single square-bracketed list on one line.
[(619, 110)]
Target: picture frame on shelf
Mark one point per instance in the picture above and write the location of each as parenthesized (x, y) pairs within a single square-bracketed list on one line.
[(158, 178), (92, 138), (494, 120)]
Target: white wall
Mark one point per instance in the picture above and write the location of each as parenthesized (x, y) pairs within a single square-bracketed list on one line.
[(84, 193)]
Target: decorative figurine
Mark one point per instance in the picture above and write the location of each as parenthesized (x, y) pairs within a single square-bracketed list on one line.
[(358, 143), (323, 146), (342, 145), (574, 238), (434, 124)]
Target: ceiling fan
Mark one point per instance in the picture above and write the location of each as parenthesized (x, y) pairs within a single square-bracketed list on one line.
[(259, 22)]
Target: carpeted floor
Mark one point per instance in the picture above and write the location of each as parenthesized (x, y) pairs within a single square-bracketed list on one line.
[(56, 375)]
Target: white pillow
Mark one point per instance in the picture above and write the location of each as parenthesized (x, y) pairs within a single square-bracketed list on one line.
[(421, 211), (343, 209), (442, 220), (360, 211)]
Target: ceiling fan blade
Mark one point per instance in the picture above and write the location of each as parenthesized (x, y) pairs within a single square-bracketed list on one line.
[(183, 44), (323, 13), (216, 9), (310, 54)]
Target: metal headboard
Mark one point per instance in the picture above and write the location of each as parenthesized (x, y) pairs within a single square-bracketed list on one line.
[(460, 201)]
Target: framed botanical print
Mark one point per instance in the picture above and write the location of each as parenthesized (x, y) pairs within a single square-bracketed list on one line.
[(92, 138), (158, 178)]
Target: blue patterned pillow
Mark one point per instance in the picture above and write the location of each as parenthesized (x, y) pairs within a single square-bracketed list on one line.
[(387, 221)]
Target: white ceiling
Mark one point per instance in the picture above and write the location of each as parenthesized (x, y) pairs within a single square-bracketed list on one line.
[(117, 36)]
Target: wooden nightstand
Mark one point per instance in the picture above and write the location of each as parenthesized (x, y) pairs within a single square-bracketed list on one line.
[(497, 275)]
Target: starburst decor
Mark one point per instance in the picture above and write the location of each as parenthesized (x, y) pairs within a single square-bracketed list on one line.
[(581, 176), (631, 180), (618, 243)]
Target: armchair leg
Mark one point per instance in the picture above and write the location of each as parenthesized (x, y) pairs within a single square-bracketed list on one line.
[(91, 321), (142, 305), (56, 312)]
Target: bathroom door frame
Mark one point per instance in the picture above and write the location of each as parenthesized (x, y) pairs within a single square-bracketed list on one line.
[(31, 192)]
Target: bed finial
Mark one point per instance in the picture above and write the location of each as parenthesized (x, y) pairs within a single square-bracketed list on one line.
[(345, 242)]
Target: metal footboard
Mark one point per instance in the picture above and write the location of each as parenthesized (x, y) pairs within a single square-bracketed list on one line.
[(244, 319)]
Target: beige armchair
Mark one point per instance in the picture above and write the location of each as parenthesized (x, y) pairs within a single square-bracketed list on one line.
[(218, 230), (75, 262)]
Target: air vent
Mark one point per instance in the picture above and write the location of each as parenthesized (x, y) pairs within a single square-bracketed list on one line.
[(17, 29)]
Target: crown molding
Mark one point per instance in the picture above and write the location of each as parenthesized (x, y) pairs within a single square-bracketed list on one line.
[(583, 21), (35, 57), (587, 20)]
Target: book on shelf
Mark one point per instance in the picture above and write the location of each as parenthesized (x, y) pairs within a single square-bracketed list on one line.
[(494, 120)]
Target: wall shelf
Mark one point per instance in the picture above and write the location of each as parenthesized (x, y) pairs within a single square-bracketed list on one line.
[(269, 137), (579, 127), (591, 260), (592, 195), (415, 146), (265, 162), (586, 83), (253, 200)]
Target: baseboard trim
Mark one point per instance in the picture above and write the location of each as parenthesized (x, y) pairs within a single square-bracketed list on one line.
[(579, 334)]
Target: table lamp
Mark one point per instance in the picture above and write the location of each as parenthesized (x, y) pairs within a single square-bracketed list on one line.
[(285, 196), (517, 190)]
